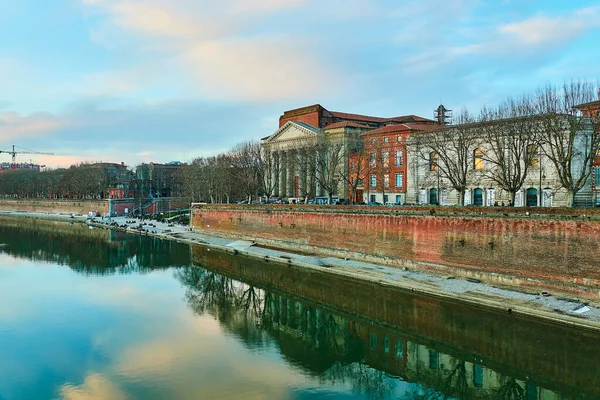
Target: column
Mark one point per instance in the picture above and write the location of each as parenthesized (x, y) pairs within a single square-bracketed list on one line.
[(301, 174), (282, 173), (273, 171), (291, 173)]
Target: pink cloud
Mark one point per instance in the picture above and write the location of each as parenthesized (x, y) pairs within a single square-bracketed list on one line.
[(15, 126)]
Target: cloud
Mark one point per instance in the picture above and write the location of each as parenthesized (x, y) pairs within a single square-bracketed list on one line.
[(538, 34), (17, 126), (221, 49), (95, 387)]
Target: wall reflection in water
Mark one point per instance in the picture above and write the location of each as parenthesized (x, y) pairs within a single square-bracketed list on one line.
[(342, 349)]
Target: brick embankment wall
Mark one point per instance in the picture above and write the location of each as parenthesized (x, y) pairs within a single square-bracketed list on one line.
[(54, 206), (459, 326), (551, 249)]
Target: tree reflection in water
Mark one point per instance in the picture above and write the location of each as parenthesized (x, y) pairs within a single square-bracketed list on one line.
[(511, 390), (321, 342), (89, 251)]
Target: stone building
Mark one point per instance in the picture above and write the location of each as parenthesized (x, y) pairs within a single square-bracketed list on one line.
[(479, 161)]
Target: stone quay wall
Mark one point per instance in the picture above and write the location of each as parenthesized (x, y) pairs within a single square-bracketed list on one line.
[(55, 206), (559, 252), (494, 338)]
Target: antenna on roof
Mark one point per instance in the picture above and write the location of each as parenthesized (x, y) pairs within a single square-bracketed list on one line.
[(443, 115)]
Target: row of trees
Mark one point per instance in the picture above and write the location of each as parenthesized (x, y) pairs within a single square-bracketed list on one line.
[(83, 181), (509, 139)]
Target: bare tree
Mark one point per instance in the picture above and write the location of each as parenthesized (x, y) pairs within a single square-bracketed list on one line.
[(448, 152), (357, 167), (508, 134), (269, 172), (248, 168), (569, 137), (329, 162)]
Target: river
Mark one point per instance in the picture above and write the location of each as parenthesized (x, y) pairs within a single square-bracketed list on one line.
[(93, 314)]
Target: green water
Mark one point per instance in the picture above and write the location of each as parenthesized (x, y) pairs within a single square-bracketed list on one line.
[(88, 314)]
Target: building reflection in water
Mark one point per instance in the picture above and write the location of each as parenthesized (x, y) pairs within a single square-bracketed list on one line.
[(340, 349)]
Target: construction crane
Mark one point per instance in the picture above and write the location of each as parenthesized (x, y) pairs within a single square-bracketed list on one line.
[(14, 153)]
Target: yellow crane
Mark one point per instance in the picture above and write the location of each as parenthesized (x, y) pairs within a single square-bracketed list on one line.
[(14, 153)]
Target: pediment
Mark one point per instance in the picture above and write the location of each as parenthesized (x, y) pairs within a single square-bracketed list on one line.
[(293, 131)]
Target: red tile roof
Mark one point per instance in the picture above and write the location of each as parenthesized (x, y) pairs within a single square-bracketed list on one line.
[(357, 117), (408, 118), (401, 128), (344, 124)]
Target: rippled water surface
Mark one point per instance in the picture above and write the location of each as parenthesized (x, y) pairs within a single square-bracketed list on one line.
[(89, 314)]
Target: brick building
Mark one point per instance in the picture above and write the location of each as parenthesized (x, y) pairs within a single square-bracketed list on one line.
[(384, 163), (309, 155)]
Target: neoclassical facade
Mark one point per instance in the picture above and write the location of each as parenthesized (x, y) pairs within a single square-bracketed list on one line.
[(429, 181), (308, 156)]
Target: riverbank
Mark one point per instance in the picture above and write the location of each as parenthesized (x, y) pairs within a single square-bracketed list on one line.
[(555, 307)]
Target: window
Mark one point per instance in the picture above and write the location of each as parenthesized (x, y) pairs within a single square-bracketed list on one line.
[(399, 138), (434, 359), (386, 344), (478, 159), (386, 180), (353, 165), (399, 180), (360, 182), (373, 141), (373, 180), (386, 159), (398, 199), (372, 160), (533, 155), (373, 341), (433, 161), (398, 158), (385, 198), (597, 177), (385, 139), (477, 375), (399, 353)]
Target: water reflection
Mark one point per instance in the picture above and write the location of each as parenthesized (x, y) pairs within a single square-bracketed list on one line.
[(89, 251), (377, 362), (109, 332)]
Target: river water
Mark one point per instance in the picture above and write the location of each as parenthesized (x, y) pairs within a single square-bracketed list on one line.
[(93, 314)]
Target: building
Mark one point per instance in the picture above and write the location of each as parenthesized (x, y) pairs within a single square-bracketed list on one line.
[(309, 155), (509, 161), (383, 166), (158, 180), (592, 110)]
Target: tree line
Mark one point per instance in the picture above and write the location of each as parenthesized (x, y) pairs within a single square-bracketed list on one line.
[(504, 143)]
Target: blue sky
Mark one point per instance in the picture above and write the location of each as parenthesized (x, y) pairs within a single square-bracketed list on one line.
[(163, 80)]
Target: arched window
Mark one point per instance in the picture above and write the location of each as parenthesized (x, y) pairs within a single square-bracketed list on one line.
[(433, 161), (478, 159)]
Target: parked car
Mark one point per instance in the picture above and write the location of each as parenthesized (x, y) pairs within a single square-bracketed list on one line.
[(391, 204), (374, 203)]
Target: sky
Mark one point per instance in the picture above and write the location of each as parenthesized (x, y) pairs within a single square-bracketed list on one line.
[(170, 80)]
